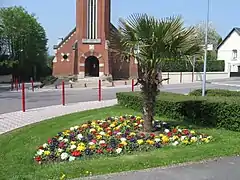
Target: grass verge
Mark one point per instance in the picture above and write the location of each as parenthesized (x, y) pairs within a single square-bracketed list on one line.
[(17, 149)]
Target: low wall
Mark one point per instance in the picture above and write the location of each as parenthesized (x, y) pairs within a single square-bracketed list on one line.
[(5, 78), (188, 77)]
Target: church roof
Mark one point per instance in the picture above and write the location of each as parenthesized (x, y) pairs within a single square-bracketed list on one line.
[(57, 46)]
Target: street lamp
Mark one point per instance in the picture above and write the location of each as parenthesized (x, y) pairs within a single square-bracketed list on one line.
[(205, 52)]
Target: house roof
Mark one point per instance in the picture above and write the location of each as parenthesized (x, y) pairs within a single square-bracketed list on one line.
[(236, 29), (57, 46)]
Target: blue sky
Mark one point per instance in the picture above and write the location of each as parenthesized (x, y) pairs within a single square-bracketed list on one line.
[(58, 16)]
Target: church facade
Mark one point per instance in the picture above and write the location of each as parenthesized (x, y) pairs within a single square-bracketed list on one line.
[(85, 51)]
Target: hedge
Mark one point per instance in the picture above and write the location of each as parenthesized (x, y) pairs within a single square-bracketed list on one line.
[(215, 92), (185, 66), (220, 112)]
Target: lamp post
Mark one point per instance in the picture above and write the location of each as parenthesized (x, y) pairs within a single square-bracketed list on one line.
[(205, 52)]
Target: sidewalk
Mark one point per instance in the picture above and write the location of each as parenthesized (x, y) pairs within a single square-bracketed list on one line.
[(14, 120)]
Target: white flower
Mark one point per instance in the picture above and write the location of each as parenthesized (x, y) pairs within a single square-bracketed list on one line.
[(123, 139), (179, 130), (102, 133), (71, 128), (194, 139), (92, 130), (119, 150), (166, 131), (157, 139), (102, 142), (73, 147), (183, 137), (91, 143), (164, 123), (140, 125), (175, 143), (40, 152), (60, 150), (45, 145), (119, 133), (60, 138), (71, 158), (76, 127), (200, 136), (65, 140), (64, 156), (79, 136)]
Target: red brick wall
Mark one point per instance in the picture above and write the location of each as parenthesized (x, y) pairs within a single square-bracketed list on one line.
[(65, 68)]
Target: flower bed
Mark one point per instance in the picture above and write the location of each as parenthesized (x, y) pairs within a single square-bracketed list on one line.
[(113, 136)]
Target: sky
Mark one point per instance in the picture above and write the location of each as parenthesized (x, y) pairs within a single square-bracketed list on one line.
[(58, 16)]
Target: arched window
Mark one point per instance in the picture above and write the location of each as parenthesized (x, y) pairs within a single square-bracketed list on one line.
[(92, 19)]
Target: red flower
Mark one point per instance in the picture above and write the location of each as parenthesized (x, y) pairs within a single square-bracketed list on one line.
[(40, 147), (103, 145), (99, 151), (76, 153), (152, 135), (61, 144), (169, 134), (175, 130), (120, 145), (49, 141), (38, 158), (185, 131), (94, 141), (142, 135), (109, 150)]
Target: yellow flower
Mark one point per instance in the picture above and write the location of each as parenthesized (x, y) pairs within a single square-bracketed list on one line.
[(92, 147), (73, 142), (140, 141), (161, 135), (112, 125), (150, 142), (193, 139), (84, 125), (132, 134), (81, 148), (175, 138), (165, 139), (46, 153), (99, 129), (99, 136), (185, 141), (192, 132), (124, 143), (138, 118)]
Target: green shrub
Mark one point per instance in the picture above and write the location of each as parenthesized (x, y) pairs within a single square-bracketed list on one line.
[(221, 112), (215, 92), (185, 66)]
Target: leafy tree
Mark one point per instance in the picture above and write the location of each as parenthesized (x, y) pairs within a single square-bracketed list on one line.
[(213, 38), (24, 42), (155, 40)]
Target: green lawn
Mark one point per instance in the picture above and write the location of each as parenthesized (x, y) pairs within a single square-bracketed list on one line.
[(18, 148)]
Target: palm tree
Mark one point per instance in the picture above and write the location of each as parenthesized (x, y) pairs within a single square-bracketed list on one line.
[(156, 40)]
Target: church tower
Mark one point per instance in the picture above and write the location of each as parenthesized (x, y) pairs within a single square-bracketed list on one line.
[(92, 34)]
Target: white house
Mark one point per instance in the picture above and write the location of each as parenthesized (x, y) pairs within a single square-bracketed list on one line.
[(229, 50)]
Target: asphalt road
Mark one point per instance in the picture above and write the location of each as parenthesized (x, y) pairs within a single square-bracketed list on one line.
[(221, 169), (11, 101)]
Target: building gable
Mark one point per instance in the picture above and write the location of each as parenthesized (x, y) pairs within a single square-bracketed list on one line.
[(65, 39), (234, 30)]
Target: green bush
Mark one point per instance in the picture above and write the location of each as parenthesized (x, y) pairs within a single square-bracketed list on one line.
[(221, 112), (185, 66), (215, 92)]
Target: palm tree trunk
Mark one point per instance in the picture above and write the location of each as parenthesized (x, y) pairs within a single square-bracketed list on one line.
[(149, 92)]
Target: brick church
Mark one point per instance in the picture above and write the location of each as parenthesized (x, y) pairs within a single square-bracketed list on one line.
[(86, 50)]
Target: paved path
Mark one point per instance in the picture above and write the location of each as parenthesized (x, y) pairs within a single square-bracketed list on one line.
[(11, 101), (14, 120), (219, 169)]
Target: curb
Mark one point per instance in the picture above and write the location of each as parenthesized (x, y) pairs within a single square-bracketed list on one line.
[(222, 84)]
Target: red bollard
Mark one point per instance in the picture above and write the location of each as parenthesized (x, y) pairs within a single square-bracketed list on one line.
[(180, 77), (12, 84), (99, 90), (32, 84), (132, 85), (17, 84), (63, 93), (23, 97)]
